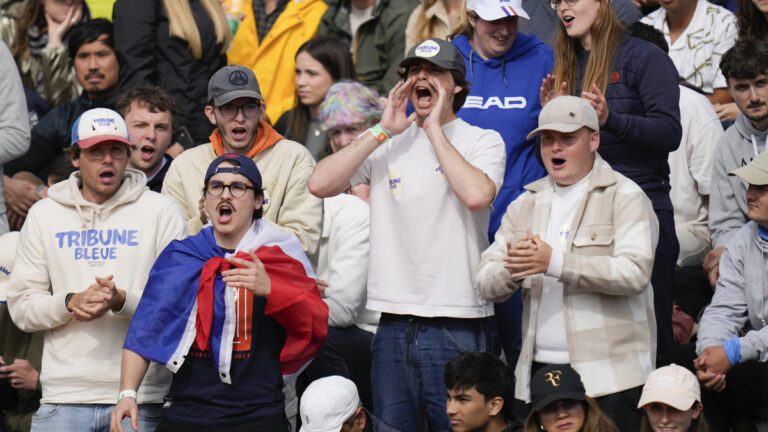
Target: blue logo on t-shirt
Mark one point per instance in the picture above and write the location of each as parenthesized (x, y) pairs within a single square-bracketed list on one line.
[(96, 245)]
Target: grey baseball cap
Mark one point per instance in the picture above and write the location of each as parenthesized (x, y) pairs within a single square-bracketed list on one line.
[(232, 82), (566, 114), (439, 52)]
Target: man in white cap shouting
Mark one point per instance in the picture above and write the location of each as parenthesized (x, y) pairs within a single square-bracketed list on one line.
[(581, 242), (82, 262)]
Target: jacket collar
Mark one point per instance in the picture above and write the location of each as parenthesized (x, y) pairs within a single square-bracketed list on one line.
[(602, 176)]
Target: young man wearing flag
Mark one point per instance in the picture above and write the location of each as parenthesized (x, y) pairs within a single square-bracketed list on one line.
[(231, 311)]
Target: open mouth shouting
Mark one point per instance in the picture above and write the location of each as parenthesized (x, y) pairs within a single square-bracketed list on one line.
[(224, 212), (107, 176), (147, 152), (567, 20), (557, 163), (422, 96), (239, 133)]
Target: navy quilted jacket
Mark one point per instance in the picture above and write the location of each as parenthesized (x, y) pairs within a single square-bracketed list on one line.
[(643, 124)]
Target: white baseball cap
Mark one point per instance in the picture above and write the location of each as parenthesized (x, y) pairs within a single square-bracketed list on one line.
[(327, 403), (99, 125), (492, 10), (672, 385)]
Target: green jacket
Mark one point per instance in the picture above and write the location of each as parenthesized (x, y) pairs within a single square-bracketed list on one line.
[(379, 44), (14, 344)]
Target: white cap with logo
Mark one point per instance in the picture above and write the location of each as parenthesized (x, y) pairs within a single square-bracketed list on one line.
[(98, 125), (492, 10), (327, 403)]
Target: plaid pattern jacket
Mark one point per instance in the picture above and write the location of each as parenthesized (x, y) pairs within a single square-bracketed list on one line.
[(608, 299)]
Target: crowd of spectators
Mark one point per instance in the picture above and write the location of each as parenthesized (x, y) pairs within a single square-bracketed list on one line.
[(384, 215)]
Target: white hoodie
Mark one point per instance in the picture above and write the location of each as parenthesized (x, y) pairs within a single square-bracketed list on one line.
[(67, 241)]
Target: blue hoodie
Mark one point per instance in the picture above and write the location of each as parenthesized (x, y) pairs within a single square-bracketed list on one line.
[(504, 96)]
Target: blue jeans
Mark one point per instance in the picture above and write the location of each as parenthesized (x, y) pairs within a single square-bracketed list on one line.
[(89, 418), (409, 357)]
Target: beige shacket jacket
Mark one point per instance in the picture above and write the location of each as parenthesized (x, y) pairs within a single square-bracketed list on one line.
[(608, 299)]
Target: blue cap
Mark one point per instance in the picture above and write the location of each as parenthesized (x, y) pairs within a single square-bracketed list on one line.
[(245, 166)]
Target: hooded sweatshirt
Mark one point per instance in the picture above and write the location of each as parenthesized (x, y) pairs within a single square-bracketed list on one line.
[(65, 243), (285, 167), (740, 297), (504, 96), (728, 194)]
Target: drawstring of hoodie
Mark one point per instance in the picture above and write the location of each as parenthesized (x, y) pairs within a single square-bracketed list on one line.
[(503, 69), (754, 144), (89, 213), (504, 72)]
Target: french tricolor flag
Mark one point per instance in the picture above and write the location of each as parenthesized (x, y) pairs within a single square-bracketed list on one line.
[(167, 320)]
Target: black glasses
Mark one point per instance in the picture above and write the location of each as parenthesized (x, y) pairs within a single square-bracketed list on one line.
[(236, 189), (229, 111), (556, 3)]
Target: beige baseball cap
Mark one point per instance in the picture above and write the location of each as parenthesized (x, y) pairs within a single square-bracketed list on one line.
[(756, 172), (566, 114), (672, 385)]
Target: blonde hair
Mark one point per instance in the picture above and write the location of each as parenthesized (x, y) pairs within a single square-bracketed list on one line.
[(425, 28), (594, 419), (463, 26), (183, 25), (607, 33)]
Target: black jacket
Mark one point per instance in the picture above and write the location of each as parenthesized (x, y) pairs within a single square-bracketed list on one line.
[(155, 184), (149, 55), (52, 135)]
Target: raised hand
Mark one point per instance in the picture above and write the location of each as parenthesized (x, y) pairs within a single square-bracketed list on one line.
[(547, 92), (442, 108), (251, 275), (57, 29), (394, 119), (598, 102)]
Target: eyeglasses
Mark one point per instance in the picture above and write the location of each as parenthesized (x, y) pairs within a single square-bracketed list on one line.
[(236, 189), (229, 111), (117, 151), (550, 411), (556, 3)]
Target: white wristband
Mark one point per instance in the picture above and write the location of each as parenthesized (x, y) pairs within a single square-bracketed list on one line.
[(127, 393)]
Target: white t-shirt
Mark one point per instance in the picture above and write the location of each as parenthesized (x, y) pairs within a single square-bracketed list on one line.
[(697, 51), (358, 16), (551, 344), (426, 244)]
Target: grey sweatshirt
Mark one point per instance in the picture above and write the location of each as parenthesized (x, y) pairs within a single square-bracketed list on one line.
[(14, 120), (740, 296), (728, 194)]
